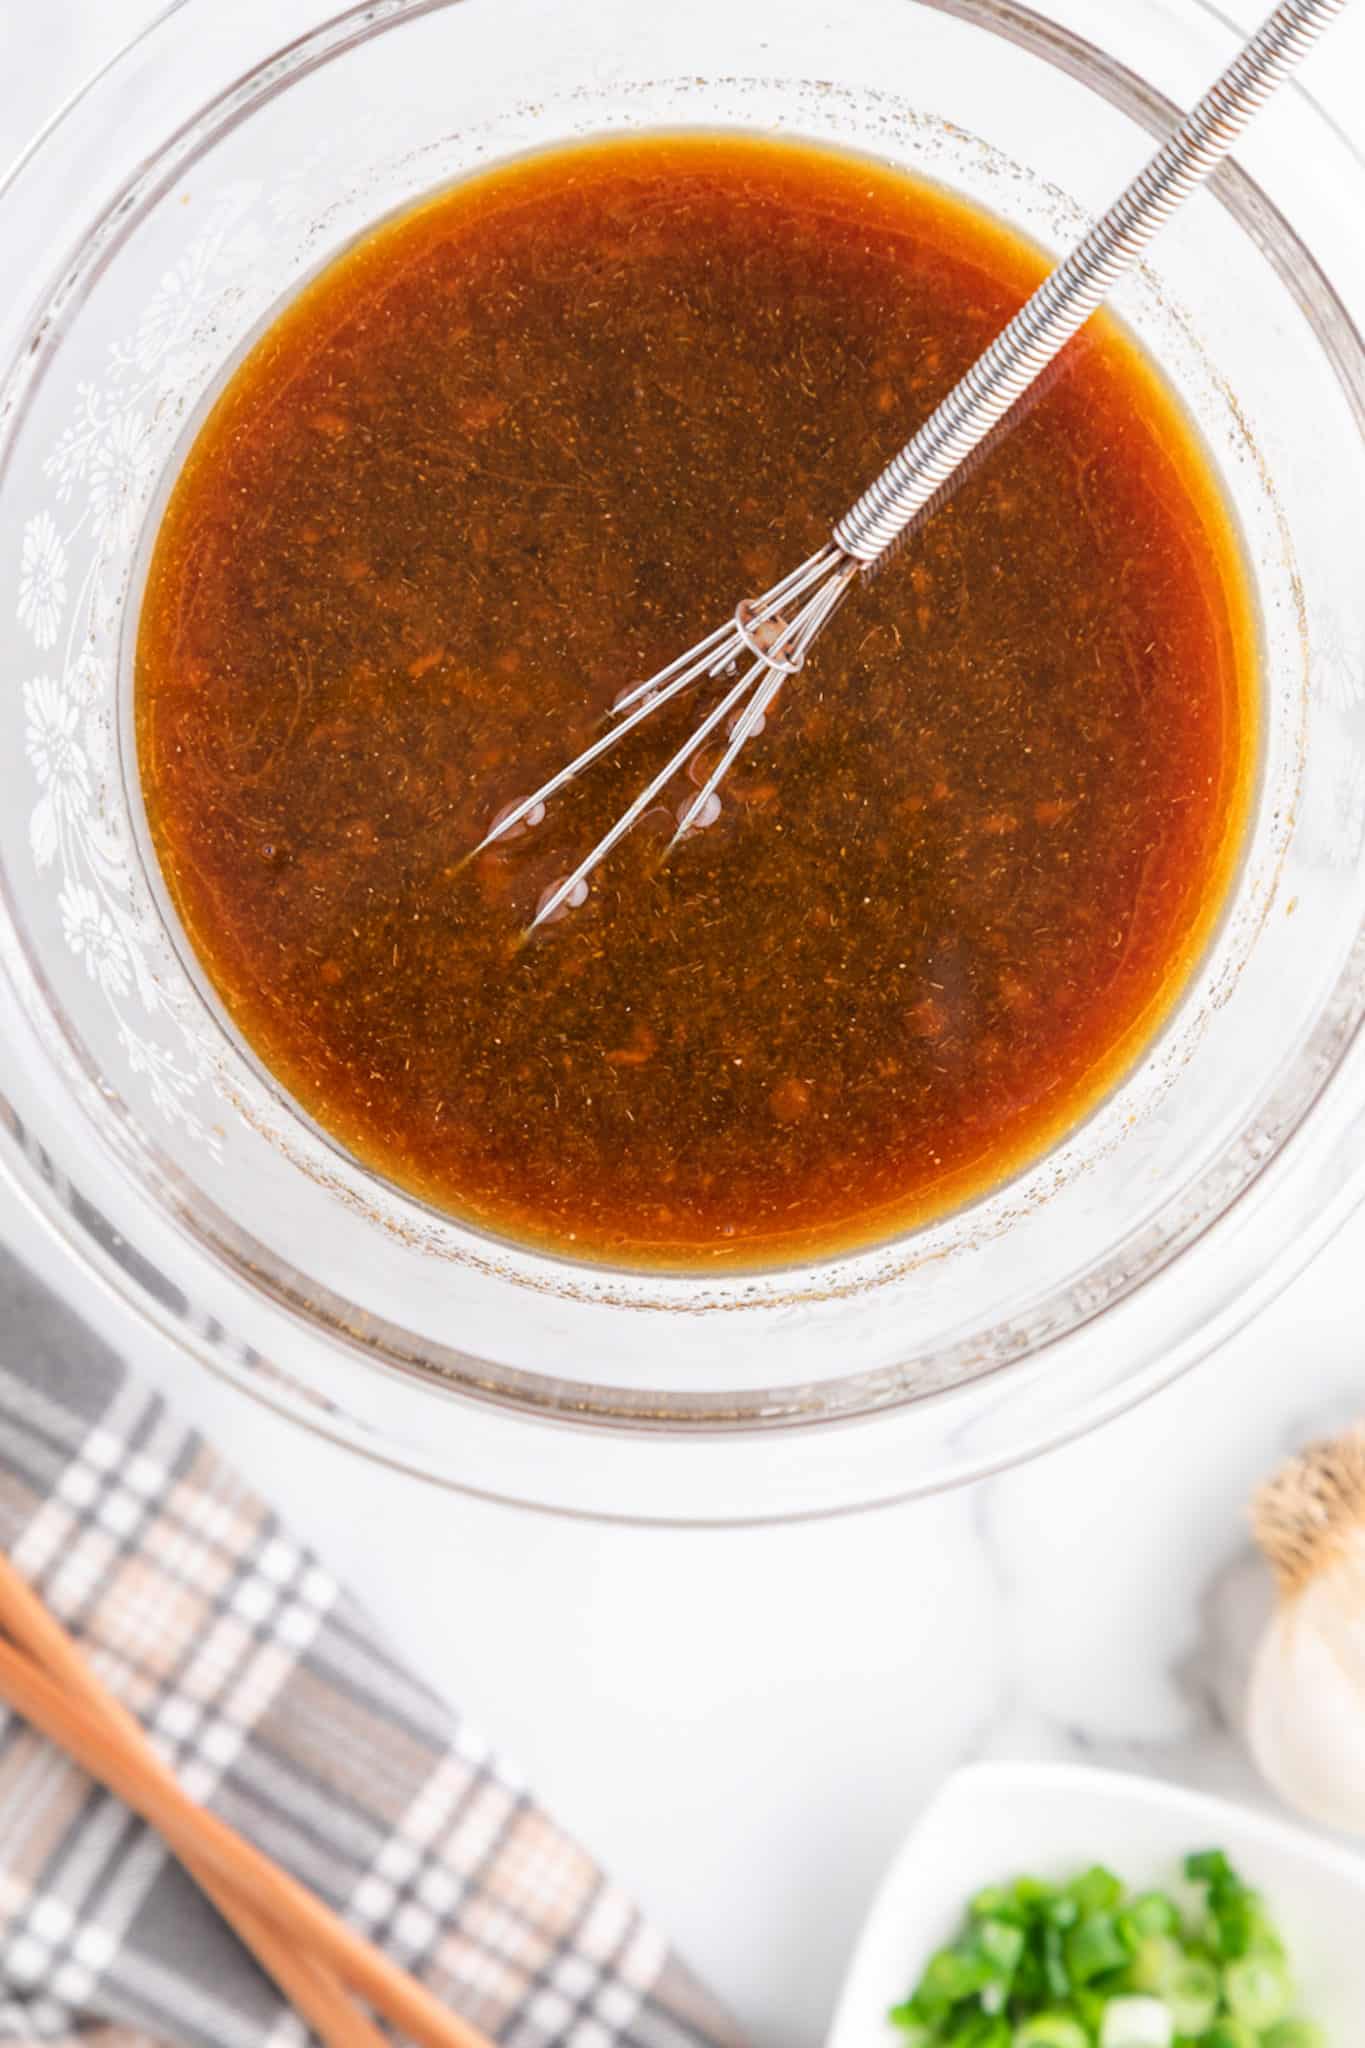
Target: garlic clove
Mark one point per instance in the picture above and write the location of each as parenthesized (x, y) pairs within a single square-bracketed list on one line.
[(1306, 1699)]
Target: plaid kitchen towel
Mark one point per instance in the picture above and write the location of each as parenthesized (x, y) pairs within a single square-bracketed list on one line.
[(278, 1706)]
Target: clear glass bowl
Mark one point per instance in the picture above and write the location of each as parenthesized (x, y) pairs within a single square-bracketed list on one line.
[(200, 178)]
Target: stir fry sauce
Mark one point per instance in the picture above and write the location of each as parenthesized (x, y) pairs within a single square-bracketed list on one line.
[(515, 451)]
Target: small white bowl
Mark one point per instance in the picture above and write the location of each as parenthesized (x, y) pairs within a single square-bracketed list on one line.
[(995, 1820)]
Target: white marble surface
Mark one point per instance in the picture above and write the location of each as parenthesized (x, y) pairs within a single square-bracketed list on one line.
[(743, 1724)]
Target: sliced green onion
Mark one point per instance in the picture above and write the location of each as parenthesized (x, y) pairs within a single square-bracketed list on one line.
[(1003, 1943), (981, 2032), (1095, 1948), (1294, 2034), (996, 1902), (1137, 2023), (1258, 1990), (1228, 2033), (1031, 1892), (1056, 1976), (1096, 1890), (1052, 2030), (1089, 2007), (1240, 1926), (1040, 1965), (1157, 1961), (1193, 1996), (1151, 1913), (953, 1974)]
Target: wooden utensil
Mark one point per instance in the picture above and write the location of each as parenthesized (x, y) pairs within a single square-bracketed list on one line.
[(315, 1993), (308, 1951)]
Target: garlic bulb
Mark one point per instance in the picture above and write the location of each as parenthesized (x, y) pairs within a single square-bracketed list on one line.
[(1306, 1702)]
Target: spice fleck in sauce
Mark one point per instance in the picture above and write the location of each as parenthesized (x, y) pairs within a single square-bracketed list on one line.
[(515, 451)]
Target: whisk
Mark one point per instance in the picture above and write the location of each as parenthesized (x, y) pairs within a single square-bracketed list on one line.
[(769, 637)]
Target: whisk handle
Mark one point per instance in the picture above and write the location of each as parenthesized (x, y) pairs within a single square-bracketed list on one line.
[(1070, 294)]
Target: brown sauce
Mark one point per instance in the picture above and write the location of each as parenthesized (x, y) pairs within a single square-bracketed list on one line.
[(515, 451)]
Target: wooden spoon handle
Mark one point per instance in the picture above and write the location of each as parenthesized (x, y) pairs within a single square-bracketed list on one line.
[(143, 1784)]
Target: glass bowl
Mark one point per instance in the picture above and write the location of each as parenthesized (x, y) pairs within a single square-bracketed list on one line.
[(213, 166)]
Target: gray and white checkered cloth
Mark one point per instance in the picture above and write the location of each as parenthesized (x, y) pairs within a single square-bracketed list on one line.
[(278, 1706)]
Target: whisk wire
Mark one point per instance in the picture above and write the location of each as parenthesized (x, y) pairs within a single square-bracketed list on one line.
[(750, 721), (711, 656), (565, 891), (648, 699), (830, 573)]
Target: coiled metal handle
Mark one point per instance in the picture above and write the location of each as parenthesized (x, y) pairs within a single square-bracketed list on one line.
[(1066, 299)]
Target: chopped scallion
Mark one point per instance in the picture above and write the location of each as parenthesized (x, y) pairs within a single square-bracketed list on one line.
[(1082, 1965)]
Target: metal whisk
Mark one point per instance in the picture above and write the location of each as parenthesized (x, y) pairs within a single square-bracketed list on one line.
[(776, 631)]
